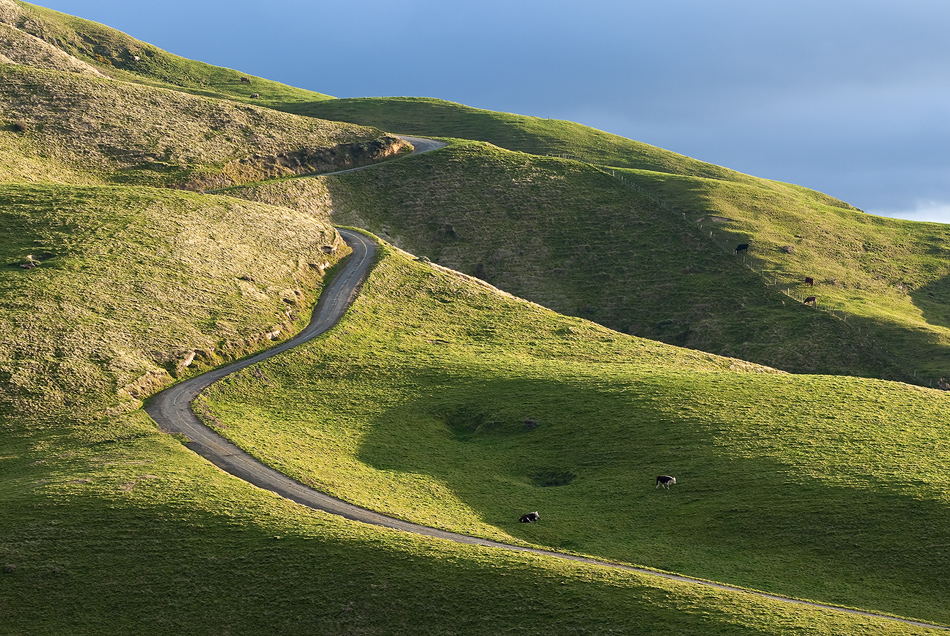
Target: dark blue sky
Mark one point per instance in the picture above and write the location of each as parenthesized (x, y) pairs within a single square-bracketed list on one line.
[(848, 97)]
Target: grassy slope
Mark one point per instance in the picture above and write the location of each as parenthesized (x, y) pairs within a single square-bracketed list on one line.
[(534, 135), (641, 259), (78, 128), (217, 274), (109, 526), (114, 52), (85, 500), (911, 333), (129, 533), (574, 239), (800, 485), (891, 277)]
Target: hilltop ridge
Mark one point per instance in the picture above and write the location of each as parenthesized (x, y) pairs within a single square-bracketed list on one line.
[(443, 397)]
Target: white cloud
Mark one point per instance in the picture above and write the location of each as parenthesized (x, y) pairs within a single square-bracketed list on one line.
[(932, 211)]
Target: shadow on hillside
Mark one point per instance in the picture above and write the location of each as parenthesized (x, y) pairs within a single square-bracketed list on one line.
[(751, 521), (933, 299), (234, 560)]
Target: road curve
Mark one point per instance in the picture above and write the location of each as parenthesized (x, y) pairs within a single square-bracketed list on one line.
[(171, 410)]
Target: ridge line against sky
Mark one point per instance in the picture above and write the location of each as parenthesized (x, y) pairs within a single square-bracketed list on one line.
[(849, 98)]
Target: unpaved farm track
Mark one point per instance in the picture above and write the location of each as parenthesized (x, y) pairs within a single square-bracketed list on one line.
[(171, 410)]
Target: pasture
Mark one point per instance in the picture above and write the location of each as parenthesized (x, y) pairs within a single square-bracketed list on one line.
[(417, 405)]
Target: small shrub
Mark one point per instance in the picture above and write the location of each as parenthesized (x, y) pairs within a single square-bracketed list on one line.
[(553, 477)]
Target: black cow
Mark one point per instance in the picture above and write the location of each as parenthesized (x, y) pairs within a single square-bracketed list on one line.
[(531, 517), (741, 247), (665, 480), (809, 281), (811, 300)]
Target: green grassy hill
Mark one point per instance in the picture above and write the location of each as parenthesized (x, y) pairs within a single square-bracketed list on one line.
[(134, 287), (573, 238), (75, 128), (885, 278), (534, 135), (110, 526), (122, 57), (439, 398), (445, 403)]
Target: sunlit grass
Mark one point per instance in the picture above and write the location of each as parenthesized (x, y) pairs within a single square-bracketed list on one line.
[(442, 402)]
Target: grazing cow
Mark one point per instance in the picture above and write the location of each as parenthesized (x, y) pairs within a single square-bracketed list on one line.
[(665, 480), (531, 517), (245, 80), (809, 281), (811, 300), (741, 247)]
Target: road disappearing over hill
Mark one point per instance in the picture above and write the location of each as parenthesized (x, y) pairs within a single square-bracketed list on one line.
[(171, 410)]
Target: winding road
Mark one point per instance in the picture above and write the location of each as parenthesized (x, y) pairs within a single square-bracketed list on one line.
[(171, 410)]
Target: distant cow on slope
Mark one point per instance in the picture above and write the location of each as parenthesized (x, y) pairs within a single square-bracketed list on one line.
[(741, 247), (811, 300), (809, 281), (665, 480), (531, 517)]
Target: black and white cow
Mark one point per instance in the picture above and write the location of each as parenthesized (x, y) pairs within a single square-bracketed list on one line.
[(665, 480), (531, 517), (742, 247)]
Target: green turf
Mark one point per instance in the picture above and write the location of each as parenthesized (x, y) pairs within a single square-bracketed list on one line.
[(111, 527), (114, 53), (133, 281), (442, 402), (130, 533), (75, 128)]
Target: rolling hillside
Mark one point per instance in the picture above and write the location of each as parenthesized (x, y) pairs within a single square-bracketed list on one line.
[(886, 278), (446, 403), (114, 54), (573, 238), (441, 398), (70, 127)]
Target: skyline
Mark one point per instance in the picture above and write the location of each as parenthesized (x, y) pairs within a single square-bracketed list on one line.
[(849, 98)]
